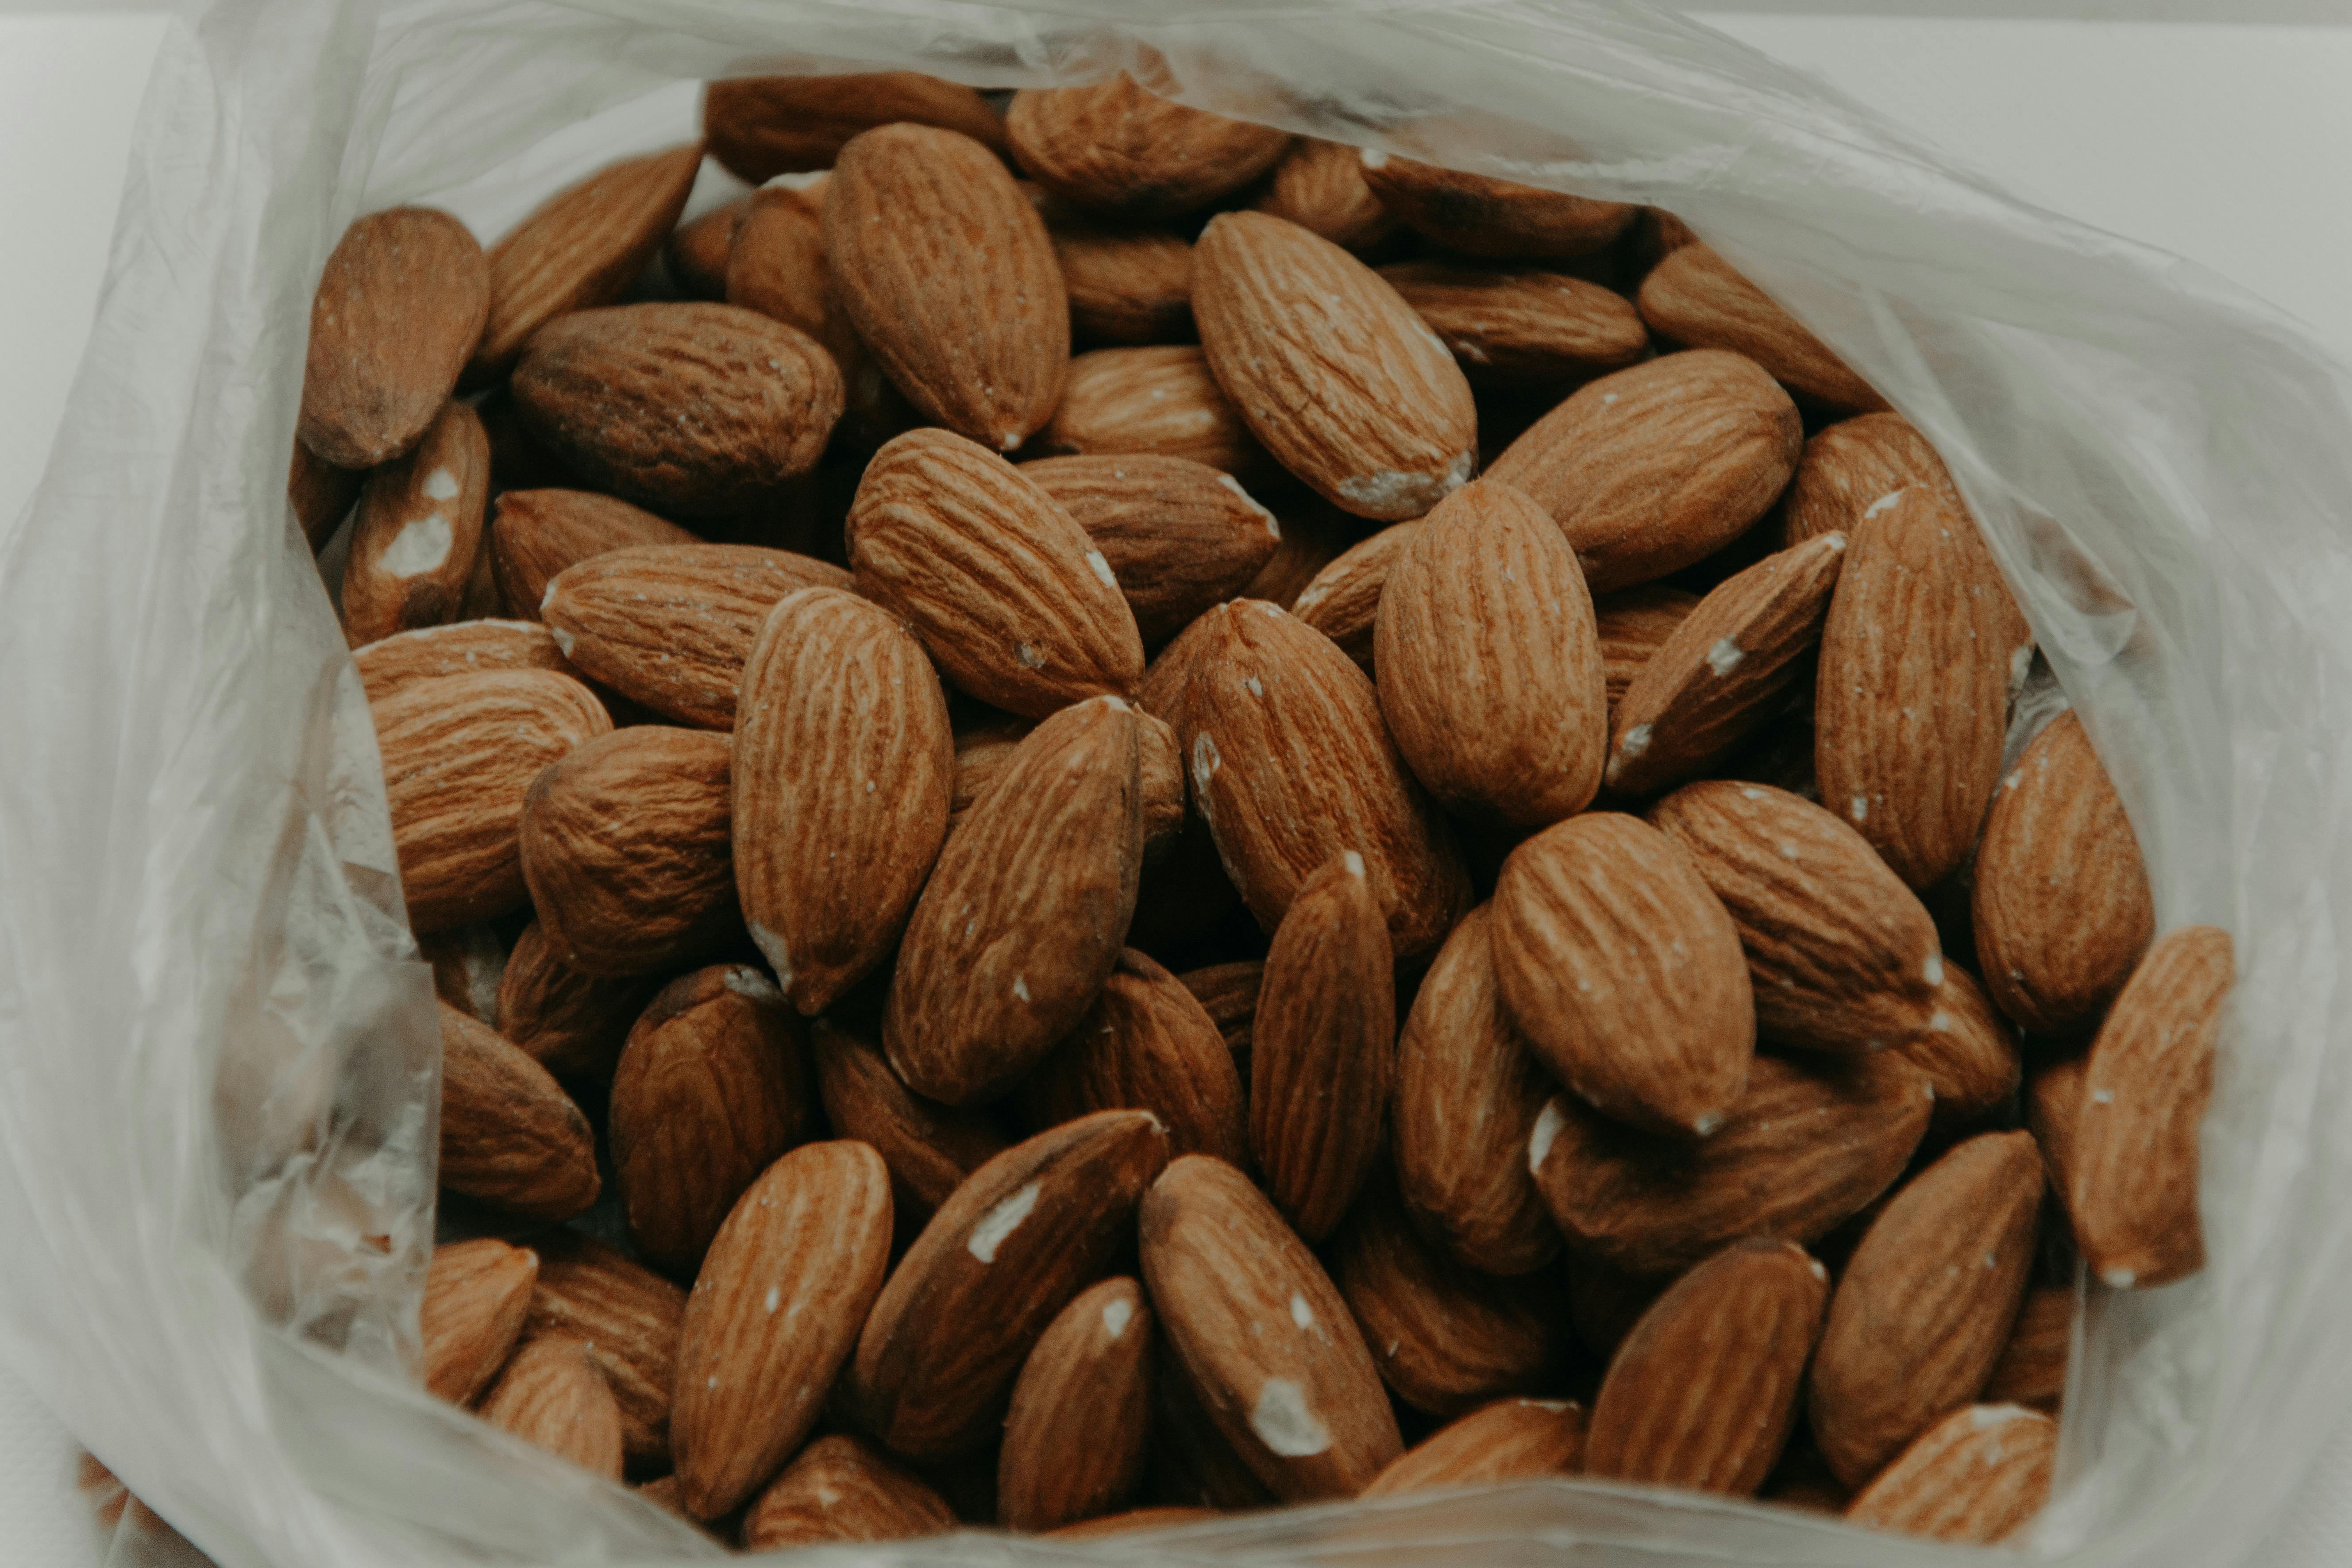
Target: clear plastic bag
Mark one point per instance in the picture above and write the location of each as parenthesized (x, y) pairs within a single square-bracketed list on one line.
[(219, 1053)]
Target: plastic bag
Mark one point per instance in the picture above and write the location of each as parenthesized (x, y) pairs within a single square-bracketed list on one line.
[(219, 1051)]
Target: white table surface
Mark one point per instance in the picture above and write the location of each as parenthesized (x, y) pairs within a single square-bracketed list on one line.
[(2221, 142)]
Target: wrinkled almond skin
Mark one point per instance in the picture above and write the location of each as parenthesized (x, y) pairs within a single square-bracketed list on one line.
[(1632, 623), (1695, 298), (712, 1087), (930, 1148), (1624, 973), (537, 533), (997, 579), (1002, 1256), (669, 626), (1128, 285), (1488, 668), (2031, 1370), (812, 1234), (625, 845), (1975, 1477), (1157, 400), (2059, 899), (1803, 1149), (419, 531), (1655, 467), (762, 126), (1336, 375), (553, 1395), (841, 789), (1522, 328), (1264, 1336), (1968, 1051), (843, 1488), (1841, 955), (1090, 1379), (1467, 1094), (1291, 764), (1025, 912), (459, 753), (776, 265), (628, 1317), (509, 1136), (1702, 1393), (476, 1296), (1146, 1044), (398, 311), (1115, 148), (1342, 601), (563, 1019), (461, 648), (694, 409), (946, 271), (1320, 185), (1850, 467), (1925, 1305), (2135, 1160), (1179, 535), (2053, 1114), (1477, 215), (1323, 1049), (1509, 1440)]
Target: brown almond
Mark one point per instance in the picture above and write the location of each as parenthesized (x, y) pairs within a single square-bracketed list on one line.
[(1695, 298), (1479, 216), (1342, 601), (476, 1296), (628, 1317), (322, 495), (1116, 148), (419, 531), (398, 311), (1146, 1044), (1522, 328), (1975, 1477), (1126, 285), (930, 1148), (461, 648), (1228, 992), (1968, 1051), (1164, 1516), (553, 1395), (776, 264), (2031, 1370), (762, 126), (509, 1136), (699, 248), (1088, 1379), (1632, 623), (567, 1021), (1848, 467), (1509, 1440), (1158, 400), (842, 1489), (1320, 185), (537, 533), (1179, 535), (2053, 1114)]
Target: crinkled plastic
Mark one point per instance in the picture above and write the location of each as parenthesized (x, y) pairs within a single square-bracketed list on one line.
[(219, 1049)]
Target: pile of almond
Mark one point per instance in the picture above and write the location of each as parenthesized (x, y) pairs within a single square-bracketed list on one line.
[(1398, 876)]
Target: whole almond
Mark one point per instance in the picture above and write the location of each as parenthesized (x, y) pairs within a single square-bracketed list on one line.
[(1652, 467), (322, 495), (1264, 1336), (1850, 467), (567, 1021), (1158, 400), (1522, 328), (551, 1394), (1333, 371), (1320, 185), (842, 1489), (1632, 623), (2060, 900), (762, 126), (509, 1136), (776, 265), (1126, 285), (399, 309), (419, 531), (1925, 1306), (841, 789), (2135, 1160), (1695, 298), (999, 581), (537, 533), (628, 1317), (1479, 216), (775, 1313), (699, 248), (1968, 1051), (1509, 1440), (461, 648), (1342, 601), (1179, 535), (1089, 1376), (1117, 147), (930, 1148), (1975, 1477), (1804, 1149), (476, 1296), (1004, 1255), (1146, 1044)]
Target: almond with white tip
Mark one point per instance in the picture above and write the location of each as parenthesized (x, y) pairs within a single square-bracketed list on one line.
[(1968, 1050), (537, 533), (1146, 1043), (1090, 1374), (419, 531), (1850, 467), (1179, 535)]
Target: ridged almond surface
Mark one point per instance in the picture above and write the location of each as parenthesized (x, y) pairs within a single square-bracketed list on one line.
[(509, 1136), (1118, 149), (563, 1019), (2031, 1370), (841, 788), (459, 753), (1333, 371), (1179, 535), (461, 648), (1192, 1462), (1479, 216), (322, 495), (1925, 1305), (773, 1314), (1323, 1049), (398, 311), (1968, 1051), (419, 531), (1128, 285), (1489, 667), (553, 1395), (1660, 465), (1803, 1149), (980, 755), (1146, 1044), (467, 964), (1264, 1337), (1632, 623), (476, 1296), (628, 1317), (1695, 298), (1156, 400), (1229, 994), (843, 1488), (534, 534), (669, 626), (762, 126), (2053, 1114), (1025, 912), (1081, 1412), (946, 271), (930, 1148), (1320, 185), (580, 249), (776, 266), (2059, 899), (1004, 1255), (698, 249), (1623, 972), (2134, 1161), (1703, 1393), (1522, 328), (1509, 1440), (1343, 600), (1848, 467), (1974, 1479), (1291, 764)]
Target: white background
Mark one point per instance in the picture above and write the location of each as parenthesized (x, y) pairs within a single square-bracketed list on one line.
[(2224, 143)]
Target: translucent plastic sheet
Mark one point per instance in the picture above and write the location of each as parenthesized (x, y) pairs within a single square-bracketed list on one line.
[(218, 1050)]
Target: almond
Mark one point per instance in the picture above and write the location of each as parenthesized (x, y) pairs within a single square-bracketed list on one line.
[(553, 1395), (1228, 992), (476, 1295), (418, 532), (776, 265), (1509, 1440), (628, 1317), (1968, 1052), (1264, 1336), (1804, 1149), (711, 1089), (2135, 1165), (1088, 1378), (762, 126), (1166, 1516), (1333, 371), (1126, 285), (2054, 1113), (567, 1021), (1159, 400), (537, 533), (669, 626), (1320, 185), (1467, 1094), (509, 1136), (1342, 601), (1925, 1305), (1624, 973), (841, 792), (1848, 467), (1026, 912), (1630, 624), (1479, 216), (2060, 900), (1179, 535), (1650, 469), (581, 248), (999, 581), (1292, 765), (1116, 148), (841, 1489), (1323, 1049), (1191, 1461), (1146, 1044), (930, 1148), (1522, 328), (461, 648), (700, 247), (946, 272), (1489, 672), (1975, 1477), (399, 309), (1002, 1258), (1695, 298), (322, 495), (459, 753), (469, 964), (773, 1315)]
